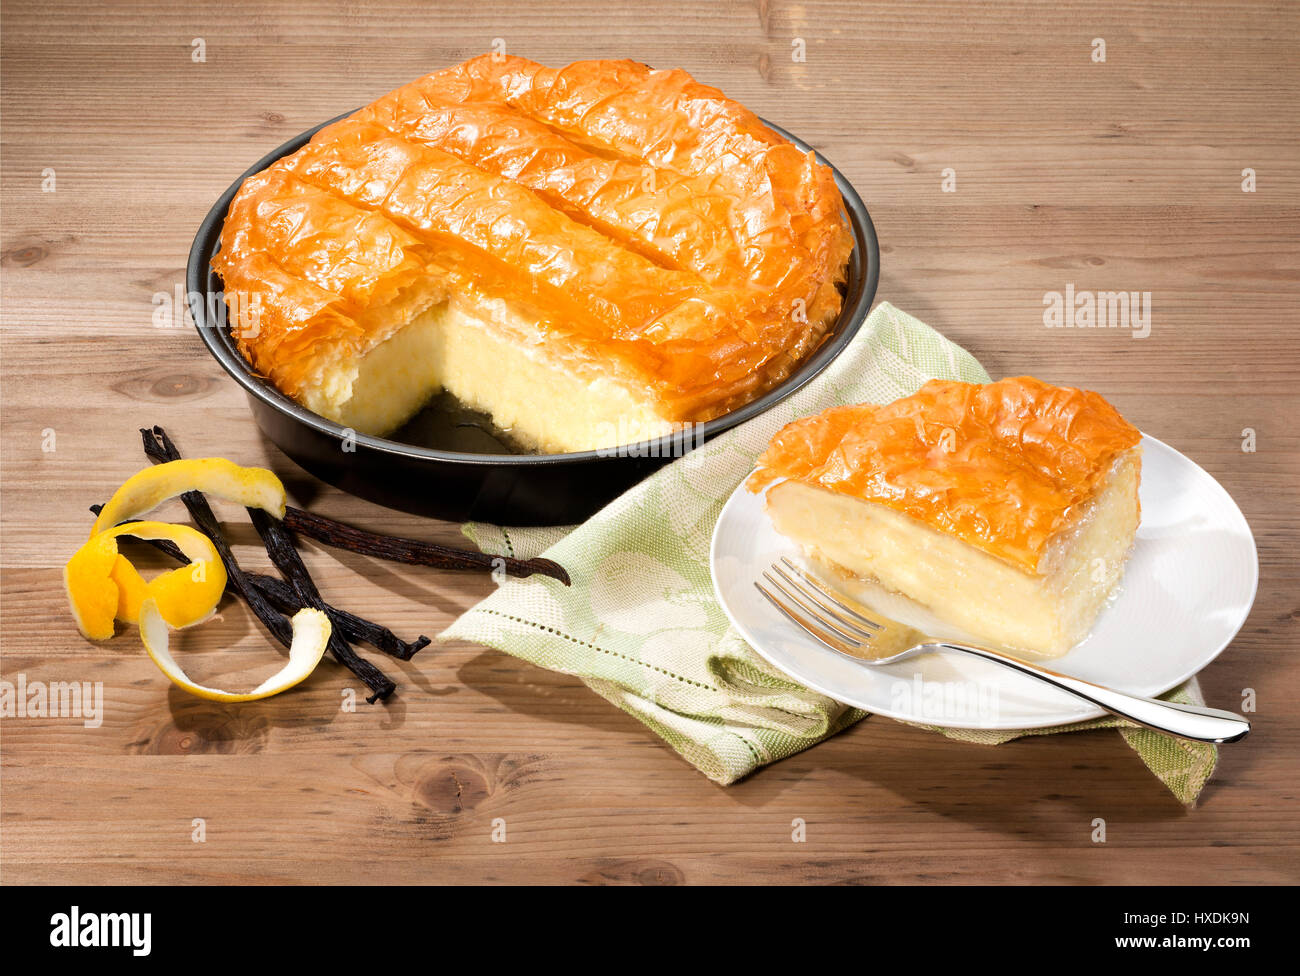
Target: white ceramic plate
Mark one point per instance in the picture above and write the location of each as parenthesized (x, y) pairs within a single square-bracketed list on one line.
[(1186, 592)]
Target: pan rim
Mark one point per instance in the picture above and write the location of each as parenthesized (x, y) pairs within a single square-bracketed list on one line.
[(861, 283)]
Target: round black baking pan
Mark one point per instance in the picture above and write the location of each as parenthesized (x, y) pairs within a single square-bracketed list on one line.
[(448, 462)]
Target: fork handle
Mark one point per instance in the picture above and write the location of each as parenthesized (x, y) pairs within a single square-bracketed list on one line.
[(1194, 722)]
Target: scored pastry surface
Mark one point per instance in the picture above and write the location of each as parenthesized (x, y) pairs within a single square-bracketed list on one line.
[(626, 226)]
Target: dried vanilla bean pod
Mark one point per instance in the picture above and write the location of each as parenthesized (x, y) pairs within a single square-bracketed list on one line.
[(206, 520), (159, 448), (281, 596), (413, 551), (279, 546)]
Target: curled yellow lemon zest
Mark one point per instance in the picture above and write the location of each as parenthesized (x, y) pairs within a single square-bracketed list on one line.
[(251, 487), (103, 585), (311, 634)]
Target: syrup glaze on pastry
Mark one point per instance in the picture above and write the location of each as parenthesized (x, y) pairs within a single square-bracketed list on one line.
[(1002, 513), (630, 240), (1003, 466)]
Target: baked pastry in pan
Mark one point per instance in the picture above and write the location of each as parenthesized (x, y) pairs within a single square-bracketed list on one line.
[(593, 255), (1004, 510)]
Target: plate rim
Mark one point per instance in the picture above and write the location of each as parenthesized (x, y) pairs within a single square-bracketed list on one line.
[(997, 726)]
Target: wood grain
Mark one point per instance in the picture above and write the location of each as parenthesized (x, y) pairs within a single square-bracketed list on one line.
[(1118, 175)]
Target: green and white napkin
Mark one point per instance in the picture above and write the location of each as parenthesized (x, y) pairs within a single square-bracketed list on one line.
[(640, 625)]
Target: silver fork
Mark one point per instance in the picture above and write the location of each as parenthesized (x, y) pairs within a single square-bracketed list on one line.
[(858, 632)]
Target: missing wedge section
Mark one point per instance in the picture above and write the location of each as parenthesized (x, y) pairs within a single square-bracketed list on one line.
[(534, 397)]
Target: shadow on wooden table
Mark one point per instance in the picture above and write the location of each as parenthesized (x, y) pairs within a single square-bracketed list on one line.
[(529, 690), (1032, 787), (1038, 787)]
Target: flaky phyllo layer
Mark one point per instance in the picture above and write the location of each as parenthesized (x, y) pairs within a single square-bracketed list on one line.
[(1005, 510), (1006, 467), (628, 241)]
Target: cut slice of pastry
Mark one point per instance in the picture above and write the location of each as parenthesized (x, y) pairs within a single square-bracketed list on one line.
[(1006, 511), (592, 255)]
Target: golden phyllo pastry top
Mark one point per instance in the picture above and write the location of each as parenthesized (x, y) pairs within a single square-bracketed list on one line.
[(1003, 466), (647, 224)]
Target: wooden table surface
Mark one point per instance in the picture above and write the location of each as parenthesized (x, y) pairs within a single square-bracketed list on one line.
[(1123, 174)]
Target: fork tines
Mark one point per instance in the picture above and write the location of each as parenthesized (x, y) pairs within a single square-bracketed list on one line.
[(816, 608)]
